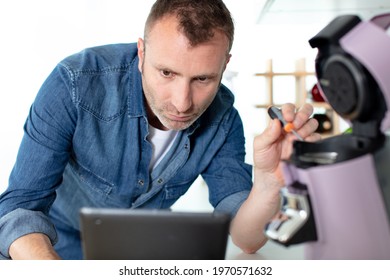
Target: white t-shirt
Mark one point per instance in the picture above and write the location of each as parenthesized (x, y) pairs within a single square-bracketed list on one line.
[(161, 141)]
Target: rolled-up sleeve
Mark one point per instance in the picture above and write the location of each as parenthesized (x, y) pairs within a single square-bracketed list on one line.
[(20, 222), (42, 157), (232, 203)]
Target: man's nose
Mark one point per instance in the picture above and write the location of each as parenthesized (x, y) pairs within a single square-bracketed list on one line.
[(182, 97)]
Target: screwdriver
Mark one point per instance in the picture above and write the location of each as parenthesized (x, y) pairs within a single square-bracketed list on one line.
[(276, 113)]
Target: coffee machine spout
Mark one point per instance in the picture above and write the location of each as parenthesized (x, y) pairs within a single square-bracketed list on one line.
[(294, 223)]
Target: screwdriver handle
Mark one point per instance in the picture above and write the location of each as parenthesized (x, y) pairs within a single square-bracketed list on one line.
[(276, 113)]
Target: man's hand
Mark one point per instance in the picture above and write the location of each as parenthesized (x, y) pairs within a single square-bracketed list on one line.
[(34, 246), (275, 144), (270, 147)]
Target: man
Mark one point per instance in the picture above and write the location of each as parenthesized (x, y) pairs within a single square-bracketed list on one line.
[(132, 126)]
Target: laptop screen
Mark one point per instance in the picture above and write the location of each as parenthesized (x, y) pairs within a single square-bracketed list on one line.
[(153, 234)]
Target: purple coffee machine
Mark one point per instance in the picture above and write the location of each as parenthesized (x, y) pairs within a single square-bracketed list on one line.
[(337, 194)]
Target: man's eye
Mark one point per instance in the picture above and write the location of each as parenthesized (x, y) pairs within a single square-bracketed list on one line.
[(202, 79), (166, 73)]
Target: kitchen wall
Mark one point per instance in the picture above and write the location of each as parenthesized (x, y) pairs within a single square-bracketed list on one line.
[(35, 35)]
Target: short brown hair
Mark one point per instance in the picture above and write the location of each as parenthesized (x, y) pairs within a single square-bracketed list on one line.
[(198, 19)]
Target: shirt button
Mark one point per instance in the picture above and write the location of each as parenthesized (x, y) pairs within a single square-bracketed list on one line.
[(160, 180), (140, 182)]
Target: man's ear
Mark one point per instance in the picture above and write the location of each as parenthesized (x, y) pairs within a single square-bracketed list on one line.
[(141, 53), (227, 60)]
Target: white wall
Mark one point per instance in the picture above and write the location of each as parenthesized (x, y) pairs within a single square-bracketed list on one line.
[(35, 35)]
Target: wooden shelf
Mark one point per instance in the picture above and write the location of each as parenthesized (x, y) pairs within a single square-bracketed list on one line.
[(300, 74), (315, 105), (296, 74)]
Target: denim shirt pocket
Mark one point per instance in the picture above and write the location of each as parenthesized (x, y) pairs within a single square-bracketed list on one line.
[(104, 93)]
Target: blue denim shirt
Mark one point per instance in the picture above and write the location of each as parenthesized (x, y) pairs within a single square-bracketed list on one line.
[(85, 144)]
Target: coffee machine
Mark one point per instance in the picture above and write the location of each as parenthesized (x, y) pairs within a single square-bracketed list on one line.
[(337, 195)]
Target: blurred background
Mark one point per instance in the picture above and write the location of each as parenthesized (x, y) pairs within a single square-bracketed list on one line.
[(272, 62)]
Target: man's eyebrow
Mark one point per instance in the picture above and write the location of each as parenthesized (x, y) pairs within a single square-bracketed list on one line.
[(164, 67), (161, 66), (207, 75)]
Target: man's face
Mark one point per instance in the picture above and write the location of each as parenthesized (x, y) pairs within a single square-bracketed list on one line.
[(179, 81)]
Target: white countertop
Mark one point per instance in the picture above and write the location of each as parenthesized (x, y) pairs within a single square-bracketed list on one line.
[(270, 251)]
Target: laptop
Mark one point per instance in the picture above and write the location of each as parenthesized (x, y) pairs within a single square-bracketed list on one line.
[(146, 234)]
